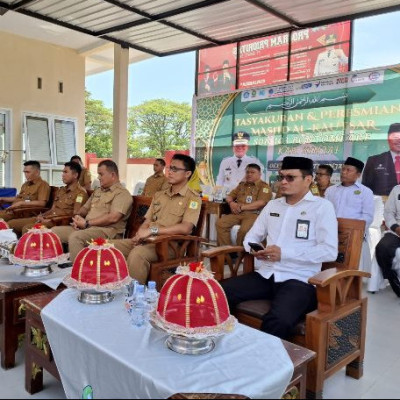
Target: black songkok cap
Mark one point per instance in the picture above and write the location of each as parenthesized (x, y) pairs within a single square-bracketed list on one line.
[(355, 163), (297, 163), (394, 128)]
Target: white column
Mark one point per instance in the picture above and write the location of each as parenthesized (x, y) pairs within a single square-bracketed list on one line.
[(120, 109)]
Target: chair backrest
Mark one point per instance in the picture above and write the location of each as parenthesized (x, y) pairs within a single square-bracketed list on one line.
[(198, 229), (53, 192), (139, 209), (350, 236)]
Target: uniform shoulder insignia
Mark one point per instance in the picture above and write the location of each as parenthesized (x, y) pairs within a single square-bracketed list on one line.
[(194, 205)]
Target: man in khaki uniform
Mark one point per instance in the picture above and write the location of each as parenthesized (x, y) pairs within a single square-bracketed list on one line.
[(34, 192), (245, 201), (157, 181), (173, 211), (85, 179), (323, 179), (67, 202), (103, 215)]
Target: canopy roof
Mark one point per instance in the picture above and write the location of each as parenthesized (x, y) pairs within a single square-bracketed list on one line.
[(165, 27)]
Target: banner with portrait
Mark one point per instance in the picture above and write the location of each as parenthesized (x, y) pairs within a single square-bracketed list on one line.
[(325, 119), (272, 59)]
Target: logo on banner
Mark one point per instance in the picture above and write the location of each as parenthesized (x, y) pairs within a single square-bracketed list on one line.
[(373, 76), (306, 85), (246, 95), (356, 78)]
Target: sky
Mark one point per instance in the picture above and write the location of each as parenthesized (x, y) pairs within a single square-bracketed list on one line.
[(375, 44)]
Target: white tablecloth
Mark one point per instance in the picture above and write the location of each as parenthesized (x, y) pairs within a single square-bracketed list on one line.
[(12, 273), (97, 345)]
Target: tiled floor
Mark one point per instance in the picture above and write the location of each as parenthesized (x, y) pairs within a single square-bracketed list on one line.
[(381, 372)]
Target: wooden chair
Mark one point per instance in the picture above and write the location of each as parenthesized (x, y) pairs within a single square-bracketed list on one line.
[(12, 317), (38, 354), (140, 206), (336, 330), (28, 211)]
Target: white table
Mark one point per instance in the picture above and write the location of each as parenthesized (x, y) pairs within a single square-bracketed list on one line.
[(97, 345)]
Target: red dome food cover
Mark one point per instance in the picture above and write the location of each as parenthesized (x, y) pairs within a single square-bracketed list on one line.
[(192, 303), (38, 246), (3, 224), (100, 266)]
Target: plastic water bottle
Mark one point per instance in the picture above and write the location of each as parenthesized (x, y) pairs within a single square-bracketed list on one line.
[(151, 294), (129, 294), (138, 310)]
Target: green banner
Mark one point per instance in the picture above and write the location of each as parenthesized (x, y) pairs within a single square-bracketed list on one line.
[(326, 120)]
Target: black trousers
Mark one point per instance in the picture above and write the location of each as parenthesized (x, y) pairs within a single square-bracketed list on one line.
[(290, 300), (385, 251)]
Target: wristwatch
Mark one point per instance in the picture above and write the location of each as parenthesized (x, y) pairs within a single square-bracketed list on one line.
[(87, 225), (154, 230)]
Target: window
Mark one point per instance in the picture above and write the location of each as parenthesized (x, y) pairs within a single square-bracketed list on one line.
[(51, 140), (5, 154)]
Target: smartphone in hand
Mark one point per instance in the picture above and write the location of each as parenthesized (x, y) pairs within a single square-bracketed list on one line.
[(256, 246)]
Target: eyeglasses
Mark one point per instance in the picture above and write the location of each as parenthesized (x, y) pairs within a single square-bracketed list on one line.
[(288, 178), (175, 169)]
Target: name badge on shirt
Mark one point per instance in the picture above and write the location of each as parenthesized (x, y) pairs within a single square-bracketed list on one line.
[(274, 214), (249, 199), (302, 229)]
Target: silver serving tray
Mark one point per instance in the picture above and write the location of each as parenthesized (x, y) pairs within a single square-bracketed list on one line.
[(34, 271), (191, 346), (95, 297)]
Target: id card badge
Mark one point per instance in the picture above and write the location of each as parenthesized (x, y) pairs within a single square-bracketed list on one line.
[(249, 199), (302, 229)]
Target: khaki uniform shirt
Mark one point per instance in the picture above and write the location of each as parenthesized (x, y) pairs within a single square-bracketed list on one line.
[(169, 209), (85, 177), (247, 193), (155, 183), (35, 190), (321, 192), (113, 199), (69, 200)]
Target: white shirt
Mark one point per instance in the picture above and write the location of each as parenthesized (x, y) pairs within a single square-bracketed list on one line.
[(301, 258), (392, 208), (355, 201), (328, 62), (230, 175)]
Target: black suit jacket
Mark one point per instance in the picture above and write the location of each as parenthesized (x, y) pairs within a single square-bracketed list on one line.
[(379, 174)]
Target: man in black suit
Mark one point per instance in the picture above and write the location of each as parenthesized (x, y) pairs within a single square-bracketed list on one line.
[(382, 171)]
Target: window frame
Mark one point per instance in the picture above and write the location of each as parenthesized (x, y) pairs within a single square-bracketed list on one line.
[(53, 166)]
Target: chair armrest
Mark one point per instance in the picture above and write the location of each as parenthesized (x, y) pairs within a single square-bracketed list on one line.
[(167, 238), (337, 288), (178, 244), (61, 220), (28, 211), (218, 258), (222, 250), (332, 275)]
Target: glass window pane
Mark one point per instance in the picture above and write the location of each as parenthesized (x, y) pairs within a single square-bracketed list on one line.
[(57, 178), (38, 141), (65, 140)]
